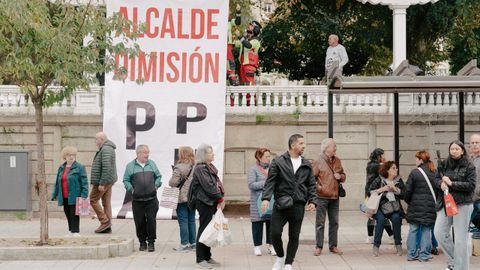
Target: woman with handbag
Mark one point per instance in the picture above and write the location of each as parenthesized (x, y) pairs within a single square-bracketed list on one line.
[(256, 180), (71, 183), (421, 215), (182, 178), (456, 177), (377, 157), (209, 192), (392, 188)]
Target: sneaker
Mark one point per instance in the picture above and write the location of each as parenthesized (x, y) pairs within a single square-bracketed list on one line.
[(317, 252), (399, 250), (449, 267), (257, 251), (182, 248), (76, 235), (213, 262), (143, 246), (434, 251), (68, 235), (204, 265), (375, 251), (288, 267), (109, 230), (192, 246), (278, 265), (271, 250), (151, 247), (369, 240)]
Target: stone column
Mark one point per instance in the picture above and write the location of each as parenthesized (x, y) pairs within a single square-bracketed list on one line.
[(399, 34)]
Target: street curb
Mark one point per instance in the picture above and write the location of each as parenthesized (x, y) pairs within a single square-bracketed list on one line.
[(121, 249)]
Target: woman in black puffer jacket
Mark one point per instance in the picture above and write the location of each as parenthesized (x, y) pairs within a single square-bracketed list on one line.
[(457, 176), (421, 215), (377, 157)]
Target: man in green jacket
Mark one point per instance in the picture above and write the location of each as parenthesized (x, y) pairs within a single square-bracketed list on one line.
[(104, 175), (142, 178)]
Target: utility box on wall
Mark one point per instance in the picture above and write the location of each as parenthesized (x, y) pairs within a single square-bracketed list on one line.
[(15, 180)]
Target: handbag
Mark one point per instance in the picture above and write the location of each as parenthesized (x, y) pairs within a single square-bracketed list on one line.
[(82, 206), (450, 205), (341, 191), (267, 213), (285, 202), (169, 198), (372, 203), (390, 207)]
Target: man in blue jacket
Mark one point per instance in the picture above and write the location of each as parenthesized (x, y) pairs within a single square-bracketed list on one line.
[(142, 178)]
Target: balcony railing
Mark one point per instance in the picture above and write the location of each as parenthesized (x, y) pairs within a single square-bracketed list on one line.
[(248, 100)]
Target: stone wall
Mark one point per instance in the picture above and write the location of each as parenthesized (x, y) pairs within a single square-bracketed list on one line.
[(356, 136)]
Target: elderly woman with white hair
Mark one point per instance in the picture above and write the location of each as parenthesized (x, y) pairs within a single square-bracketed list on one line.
[(71, 183), (209, 193)]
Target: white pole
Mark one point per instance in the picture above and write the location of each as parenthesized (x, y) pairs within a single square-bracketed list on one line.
[(399, 34)]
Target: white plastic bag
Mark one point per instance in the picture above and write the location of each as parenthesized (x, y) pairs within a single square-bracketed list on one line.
[(210, 236), (224, 236)]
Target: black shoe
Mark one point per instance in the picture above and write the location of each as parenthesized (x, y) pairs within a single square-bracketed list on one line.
[(434, 251), (143, 246), (151, 247), (109, 230)]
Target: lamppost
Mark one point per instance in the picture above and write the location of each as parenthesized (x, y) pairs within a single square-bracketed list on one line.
[(399, 8)]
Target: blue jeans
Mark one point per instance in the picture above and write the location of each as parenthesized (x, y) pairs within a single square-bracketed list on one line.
[(476, 208), (396, 219), (419, 249), (186, 220), (419, 235)]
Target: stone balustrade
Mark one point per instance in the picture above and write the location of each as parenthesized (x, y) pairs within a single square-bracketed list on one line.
[(252, 100)]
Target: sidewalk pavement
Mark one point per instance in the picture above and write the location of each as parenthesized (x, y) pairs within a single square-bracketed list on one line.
[(238, 256)]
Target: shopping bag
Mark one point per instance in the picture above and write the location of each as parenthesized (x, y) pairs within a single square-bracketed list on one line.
[(267, 213), (372, 203), (169, 198), (363, 206), (82, 206), (224, 237), (210, 236), (450, 205)]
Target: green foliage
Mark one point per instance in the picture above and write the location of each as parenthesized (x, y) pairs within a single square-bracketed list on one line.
[(42, 43), (295, 40), (464, 39)]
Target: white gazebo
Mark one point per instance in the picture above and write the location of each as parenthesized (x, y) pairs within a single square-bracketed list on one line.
[(399, 8)]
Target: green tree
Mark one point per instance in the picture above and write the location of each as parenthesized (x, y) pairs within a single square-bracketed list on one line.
[(42, 43), (464, 38), (295, 40)]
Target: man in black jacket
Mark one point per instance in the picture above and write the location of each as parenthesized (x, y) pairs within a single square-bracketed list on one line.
[(291, 181)]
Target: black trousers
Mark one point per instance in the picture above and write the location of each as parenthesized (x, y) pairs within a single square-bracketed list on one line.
[(205, 213), (294, 217), (73, 220), (257, 232), (145, 217)]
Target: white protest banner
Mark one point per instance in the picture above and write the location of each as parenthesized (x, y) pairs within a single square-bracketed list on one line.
[(181, 100)]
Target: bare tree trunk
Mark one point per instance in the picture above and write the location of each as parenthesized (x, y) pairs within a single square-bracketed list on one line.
[(40, 177)]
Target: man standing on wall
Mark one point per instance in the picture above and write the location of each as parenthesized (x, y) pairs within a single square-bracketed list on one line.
[(290, 179), (335, 53), (475, 158), (104, 175)]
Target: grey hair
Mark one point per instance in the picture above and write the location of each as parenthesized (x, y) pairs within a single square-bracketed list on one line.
[(334, 36), (325, 144), (202, 150), (142, 148), (102, 135)]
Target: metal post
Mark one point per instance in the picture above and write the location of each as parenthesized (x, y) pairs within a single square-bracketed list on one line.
[(461, 117), (396, 131), (330, 114)]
